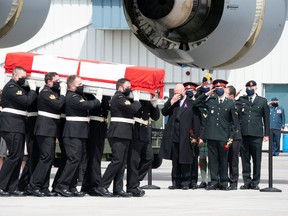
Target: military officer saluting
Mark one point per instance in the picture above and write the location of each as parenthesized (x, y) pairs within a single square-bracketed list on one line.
[(75, 134), (15, 101), (217, 131), (50, 102), (255, 123)]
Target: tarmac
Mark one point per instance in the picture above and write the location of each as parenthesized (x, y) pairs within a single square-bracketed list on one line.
[(167, 202)]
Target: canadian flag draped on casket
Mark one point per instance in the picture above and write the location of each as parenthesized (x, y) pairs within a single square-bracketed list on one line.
[(93, 73)]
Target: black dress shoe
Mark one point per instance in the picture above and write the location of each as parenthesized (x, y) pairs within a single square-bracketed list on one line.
[(211, 187), (76, 193), (93, 192), (49, 193), (185, 187), (3, 193), (224, 188), (64, 192), (245, 187), (17, 193), (255, 187), (232, 187), (193, 186), (136, 192), (202, 185), (173, 187), (36, 192), (103, 192), (122, 194)]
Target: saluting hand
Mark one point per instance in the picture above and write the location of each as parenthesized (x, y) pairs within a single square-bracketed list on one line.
[(175, 98)]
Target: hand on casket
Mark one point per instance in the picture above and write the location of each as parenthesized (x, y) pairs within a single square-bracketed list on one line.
[(154, 101), (99, 94), (136, 95), (63, 88), (32, 84)]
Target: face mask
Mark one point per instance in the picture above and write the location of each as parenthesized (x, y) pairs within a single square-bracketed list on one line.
[(219, 92), (250, 92), (21, 81), (56, 86), (79, 90), (189, 94), (127, 91), (205, 90)]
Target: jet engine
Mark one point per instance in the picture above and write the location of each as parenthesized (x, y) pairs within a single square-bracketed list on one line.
[(20, 20), (210, 34)]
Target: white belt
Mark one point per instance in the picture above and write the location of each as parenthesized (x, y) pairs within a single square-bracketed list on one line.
[(77, 118), (31, 114), (120, 119), (141, 121), (49, 115), (98, 118), (15, 111)]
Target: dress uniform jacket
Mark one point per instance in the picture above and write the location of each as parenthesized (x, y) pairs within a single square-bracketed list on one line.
[(49, 102), (121, 107), (251, 116), (15, 97), (186, 120), (220, 116), (77, 106), (141, 131)]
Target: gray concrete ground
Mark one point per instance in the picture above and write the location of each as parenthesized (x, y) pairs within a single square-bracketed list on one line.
[(165, 201)]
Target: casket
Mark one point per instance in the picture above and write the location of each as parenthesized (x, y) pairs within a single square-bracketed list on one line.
[(94, 74)]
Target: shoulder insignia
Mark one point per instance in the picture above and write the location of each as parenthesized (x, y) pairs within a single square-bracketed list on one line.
[(12, 85), (82, 100), (45, 90), (205, 115), (120, 96), (19, 92), (52, 97), (127, 102), (74, 95)]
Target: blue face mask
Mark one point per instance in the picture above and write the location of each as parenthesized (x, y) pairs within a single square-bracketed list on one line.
[(250, 92), (205, 90), (189, 94), (219, 92)]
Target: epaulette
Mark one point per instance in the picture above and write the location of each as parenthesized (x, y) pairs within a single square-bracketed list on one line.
[(12, 85), (120, 96), (45, 90), (74, 95)]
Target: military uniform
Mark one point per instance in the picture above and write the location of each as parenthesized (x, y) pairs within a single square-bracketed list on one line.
[(253, 118), (120, 134), (140, 156), (46, 131), (75, 134), (217, 131), (15, 101), (95, 145), (32, 146)]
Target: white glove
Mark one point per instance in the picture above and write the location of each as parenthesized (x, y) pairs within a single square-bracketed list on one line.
[(32, 85), (154, 101), (99, 94), (63, 88), (136, 95)]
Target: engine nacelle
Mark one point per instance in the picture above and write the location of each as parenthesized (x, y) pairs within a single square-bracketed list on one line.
[(20, 20), (211, 34)]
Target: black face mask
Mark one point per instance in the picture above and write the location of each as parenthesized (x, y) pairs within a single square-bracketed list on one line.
[(21, 81), (79, 90), (56, 86), (127, 91)]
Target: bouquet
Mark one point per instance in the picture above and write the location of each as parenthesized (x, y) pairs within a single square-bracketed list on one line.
[(193, 141), (228, 144)]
